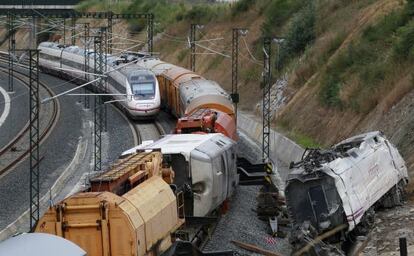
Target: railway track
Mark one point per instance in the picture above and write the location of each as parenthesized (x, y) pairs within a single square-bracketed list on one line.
[(18, 147), (147, 130)]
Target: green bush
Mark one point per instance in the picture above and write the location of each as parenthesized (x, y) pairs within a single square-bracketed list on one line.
[(200, 14), (165, 13), (331, 88), (385, 28), (84, 6), (403, 48), (277, 13), (242, 6), (300, 34)]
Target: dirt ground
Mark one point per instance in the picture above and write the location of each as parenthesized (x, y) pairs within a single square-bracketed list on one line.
[(390, 225)]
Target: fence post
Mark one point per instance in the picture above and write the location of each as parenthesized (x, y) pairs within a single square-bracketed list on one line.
[(403, 246)]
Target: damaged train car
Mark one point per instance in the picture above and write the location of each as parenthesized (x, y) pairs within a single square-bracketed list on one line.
[(337, 190)]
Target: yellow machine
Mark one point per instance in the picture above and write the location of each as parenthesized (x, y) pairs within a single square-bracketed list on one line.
[(130, 210)]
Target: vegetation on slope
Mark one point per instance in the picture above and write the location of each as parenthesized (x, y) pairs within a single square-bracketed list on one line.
[(166, 12), (376, 60)]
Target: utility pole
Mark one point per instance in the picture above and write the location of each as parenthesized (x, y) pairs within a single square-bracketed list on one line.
[(73, 29), (64, 31), (192, 46), (97, 110), (267, 77), (104, 36), (235, 65), (267, 80), (33, 33), (86, 61), (109, 31), (34, 136), (150, 32), (12, 47)]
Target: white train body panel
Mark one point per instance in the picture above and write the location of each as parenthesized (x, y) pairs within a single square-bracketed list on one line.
[(67, 60), (370, 171), (206, 162), (365, 169)]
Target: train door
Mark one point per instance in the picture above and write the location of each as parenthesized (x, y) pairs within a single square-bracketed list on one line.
[(162, 83), (176, 102), (171, 89), (92, 233), (225, 177), (218, 180)]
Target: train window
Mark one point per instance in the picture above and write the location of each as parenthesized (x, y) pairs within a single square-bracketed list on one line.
[(143, 90)]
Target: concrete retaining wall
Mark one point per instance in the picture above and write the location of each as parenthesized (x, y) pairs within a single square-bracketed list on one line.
[(281, 147)]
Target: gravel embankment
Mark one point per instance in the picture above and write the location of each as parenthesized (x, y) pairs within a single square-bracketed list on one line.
[(241, 222)]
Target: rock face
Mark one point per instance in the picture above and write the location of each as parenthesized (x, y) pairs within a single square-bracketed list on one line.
[(277, 97)]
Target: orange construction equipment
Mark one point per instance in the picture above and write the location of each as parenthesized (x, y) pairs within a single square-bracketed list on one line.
[(137, 222), (207, 121)]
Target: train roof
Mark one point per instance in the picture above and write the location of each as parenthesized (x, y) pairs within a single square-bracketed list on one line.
[(184, 144), (140, 75), (358, 139), (39, 244)]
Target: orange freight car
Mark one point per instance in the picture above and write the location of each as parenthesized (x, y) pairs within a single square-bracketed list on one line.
[(186, 95)]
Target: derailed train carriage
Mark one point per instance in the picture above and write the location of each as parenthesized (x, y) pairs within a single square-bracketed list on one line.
[(204, 166), (339, 188)]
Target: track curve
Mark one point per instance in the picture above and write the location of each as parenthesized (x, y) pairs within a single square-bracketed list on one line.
[(9, 151)]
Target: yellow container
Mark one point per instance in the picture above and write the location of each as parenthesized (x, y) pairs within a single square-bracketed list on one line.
[(139, 222)]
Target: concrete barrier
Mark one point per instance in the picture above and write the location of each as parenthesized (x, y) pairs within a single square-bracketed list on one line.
[(281, 147)]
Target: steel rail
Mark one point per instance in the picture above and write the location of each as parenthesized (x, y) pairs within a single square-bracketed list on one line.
[(51, 123)]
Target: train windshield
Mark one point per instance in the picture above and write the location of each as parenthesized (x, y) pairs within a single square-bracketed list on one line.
[(142, 86), (143, 90)]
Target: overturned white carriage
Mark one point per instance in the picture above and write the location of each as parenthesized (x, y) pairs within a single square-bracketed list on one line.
[(342, 185), (204, 165)]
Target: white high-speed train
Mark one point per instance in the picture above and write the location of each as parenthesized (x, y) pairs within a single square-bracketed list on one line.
[(134, 88)]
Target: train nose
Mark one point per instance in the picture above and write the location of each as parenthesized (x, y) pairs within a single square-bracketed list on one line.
[(145, 106)]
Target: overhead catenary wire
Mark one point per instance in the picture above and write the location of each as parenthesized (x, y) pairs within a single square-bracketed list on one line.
[(173, 37), (211, 50), (127, 39), (126, 49)]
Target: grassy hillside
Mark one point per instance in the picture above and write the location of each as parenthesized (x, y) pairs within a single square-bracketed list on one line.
[(349, 63)]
